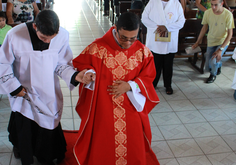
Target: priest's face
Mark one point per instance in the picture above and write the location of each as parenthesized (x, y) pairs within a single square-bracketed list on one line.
[(42, 37), (126, 38)]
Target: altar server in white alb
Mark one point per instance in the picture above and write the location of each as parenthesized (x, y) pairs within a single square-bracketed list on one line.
[(33, 57), (163, 17)]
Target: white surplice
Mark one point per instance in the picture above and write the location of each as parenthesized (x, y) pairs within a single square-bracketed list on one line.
[(38, 72), (171, 16)]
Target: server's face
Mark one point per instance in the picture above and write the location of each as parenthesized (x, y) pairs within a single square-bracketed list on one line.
[(216, 5), (42, 37)]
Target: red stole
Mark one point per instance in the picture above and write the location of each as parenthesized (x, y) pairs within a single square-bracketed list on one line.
[(111, 130)]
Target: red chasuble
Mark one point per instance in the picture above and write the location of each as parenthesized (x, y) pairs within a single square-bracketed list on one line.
[(112, 132)]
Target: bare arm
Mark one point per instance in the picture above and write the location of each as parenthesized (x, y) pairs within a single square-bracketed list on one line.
[(200, 6), (0, 5), (183, 3), (36, 9), (201, 35), (228, 38), (217, 53), (9, 13)]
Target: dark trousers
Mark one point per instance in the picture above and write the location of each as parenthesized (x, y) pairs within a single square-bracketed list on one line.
[(164, 63), (106, 5), (32, 140)]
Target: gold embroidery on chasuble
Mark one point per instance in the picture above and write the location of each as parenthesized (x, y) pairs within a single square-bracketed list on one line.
[(120, 64)]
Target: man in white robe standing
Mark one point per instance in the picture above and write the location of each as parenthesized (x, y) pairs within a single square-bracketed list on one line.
[(163, 17), (33, 56)]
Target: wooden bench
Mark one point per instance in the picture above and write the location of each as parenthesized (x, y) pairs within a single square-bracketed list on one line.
[(190, 13), (187, 37), (121, 8), (111, 11), (138, 12)]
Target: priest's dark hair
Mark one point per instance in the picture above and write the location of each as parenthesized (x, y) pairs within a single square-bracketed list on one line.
[(47, 22), (128, 21)]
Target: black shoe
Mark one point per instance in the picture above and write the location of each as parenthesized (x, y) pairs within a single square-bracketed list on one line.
[(16, 153), (169, 91), (59, 160), (43, 162), (211, 79), (235, 94), (50, 163), (219, 71), (47, 163), (106, 13)]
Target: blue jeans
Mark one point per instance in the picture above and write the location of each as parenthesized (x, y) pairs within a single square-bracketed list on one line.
[(211, 63)]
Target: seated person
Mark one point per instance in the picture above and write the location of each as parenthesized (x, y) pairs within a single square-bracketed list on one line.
[(19, 11), (3, 27)]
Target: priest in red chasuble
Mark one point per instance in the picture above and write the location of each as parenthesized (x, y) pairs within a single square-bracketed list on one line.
[(115, 101)]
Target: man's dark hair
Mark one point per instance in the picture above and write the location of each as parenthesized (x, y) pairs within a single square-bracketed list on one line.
[(2, 14), (47, 22), (128, 21)]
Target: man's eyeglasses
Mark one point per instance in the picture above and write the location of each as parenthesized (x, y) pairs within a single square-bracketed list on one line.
[(125, 39)]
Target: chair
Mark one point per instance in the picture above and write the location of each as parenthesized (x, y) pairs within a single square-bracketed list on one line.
[(187, 37), (121, 8), (191, 13), (111, 11), (139, 13)]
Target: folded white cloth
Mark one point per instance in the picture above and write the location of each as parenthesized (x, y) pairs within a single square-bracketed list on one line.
[(136, 98), (90, 86), (234, 55), (189, 50), (234, 82)]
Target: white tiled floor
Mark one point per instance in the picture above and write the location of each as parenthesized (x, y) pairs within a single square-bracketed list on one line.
[(194, 126)]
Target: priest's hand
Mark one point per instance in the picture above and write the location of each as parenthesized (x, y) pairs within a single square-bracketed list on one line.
[(118, 88), (22, 92)]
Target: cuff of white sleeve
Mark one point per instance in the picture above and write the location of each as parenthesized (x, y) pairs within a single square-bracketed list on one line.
[(90, 86), (136, 98)]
